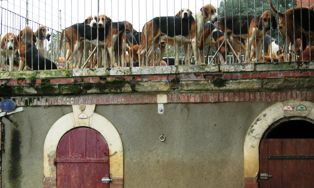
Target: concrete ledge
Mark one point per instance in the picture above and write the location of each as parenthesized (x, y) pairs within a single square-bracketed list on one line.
[(158, 70)]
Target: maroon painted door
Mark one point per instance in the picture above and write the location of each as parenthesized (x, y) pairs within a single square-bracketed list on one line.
[(287, 163), (82, 159)]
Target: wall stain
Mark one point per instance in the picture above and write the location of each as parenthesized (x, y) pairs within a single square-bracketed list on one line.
[(15, 171)]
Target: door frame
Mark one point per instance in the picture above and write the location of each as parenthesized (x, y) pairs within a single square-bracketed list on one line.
[(83, 116), (275, 113)]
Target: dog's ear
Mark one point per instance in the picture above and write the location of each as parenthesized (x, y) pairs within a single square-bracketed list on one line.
[(34, 38), (179, 13), (273, 22), (108, 22), (205, 12), (16, 43), (259, 21), (3, 41)]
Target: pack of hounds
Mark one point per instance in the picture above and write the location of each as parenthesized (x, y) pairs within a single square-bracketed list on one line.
[(100, 42)]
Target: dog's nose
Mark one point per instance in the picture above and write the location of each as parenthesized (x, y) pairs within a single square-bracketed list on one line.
[(10, 48), (94, 25), (48, 36), (185, 15)]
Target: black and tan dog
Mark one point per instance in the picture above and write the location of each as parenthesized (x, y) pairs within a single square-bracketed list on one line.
[(166, 28), (30, 55), (75, 35), (295, 23), (250, 29)]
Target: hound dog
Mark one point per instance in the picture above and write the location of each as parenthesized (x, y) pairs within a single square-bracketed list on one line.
[(259, 26), (250, 29), (184, 28), (42, 35), (30, 55), (236, 29), (114, 40), (74, 39), (26, 35), (295, 23), (9, 49), (307, 55), (207, 13), (271, 50), (205, 38)]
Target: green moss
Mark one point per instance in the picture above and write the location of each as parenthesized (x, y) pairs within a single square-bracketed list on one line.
[(219, 82), (70, 89), (5, 90), (115, 85), (32, 80)]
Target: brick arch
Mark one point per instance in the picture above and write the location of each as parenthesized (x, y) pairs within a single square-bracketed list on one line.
[(83, 117), (269, 116)]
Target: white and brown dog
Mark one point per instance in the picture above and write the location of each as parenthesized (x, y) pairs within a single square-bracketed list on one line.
[(27, 36), (42, 35), (258, 28), (207, 13), (182, 28), (9, 49), (74, 37), (115, 43)]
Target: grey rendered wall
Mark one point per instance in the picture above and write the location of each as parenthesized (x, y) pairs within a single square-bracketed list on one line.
[(203, 147)]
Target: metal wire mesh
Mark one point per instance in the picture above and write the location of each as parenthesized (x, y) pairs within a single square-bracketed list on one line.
[(127, 33)]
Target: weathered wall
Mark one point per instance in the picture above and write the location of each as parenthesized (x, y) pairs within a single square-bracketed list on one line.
[(203, 147)]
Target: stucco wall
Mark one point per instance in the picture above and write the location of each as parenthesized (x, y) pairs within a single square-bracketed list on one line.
[(203, 147)]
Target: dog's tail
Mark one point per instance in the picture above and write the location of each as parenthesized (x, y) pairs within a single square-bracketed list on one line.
[(274, 9)]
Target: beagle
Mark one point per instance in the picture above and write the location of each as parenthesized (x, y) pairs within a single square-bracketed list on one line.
[(236, 29), (9, 48), (307, 55), (183, 27), (41, 35), (74, 39), (30, 55), (207, 13), (295, 23), (114, 40), (259, 26), (26, 35)]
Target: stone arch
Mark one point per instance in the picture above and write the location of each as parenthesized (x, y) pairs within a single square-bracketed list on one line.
[(83, 116), (274, 113)]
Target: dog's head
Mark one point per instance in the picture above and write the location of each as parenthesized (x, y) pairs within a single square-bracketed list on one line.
[(91, 21), (9, 42), (209, 12), (128, 26), (27, 35), (185, 13), (103, 21), (42, 33), (267, 21)]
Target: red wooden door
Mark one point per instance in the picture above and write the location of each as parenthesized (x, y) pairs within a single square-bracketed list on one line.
[(287, 163), (82, 159)]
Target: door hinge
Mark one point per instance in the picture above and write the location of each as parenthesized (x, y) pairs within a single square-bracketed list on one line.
[(264, 176)]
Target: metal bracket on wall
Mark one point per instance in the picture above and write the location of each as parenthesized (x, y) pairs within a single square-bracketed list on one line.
[(19, 109), (161, 100)]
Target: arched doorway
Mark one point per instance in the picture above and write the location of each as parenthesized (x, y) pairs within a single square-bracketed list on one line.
[(82, 159), (83, 116), (266, 120), (286, 156)]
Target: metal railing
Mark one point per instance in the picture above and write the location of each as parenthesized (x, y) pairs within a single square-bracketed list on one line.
[(127, 33)]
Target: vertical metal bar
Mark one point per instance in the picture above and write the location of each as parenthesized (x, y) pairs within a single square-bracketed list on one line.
[(27, 18)]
